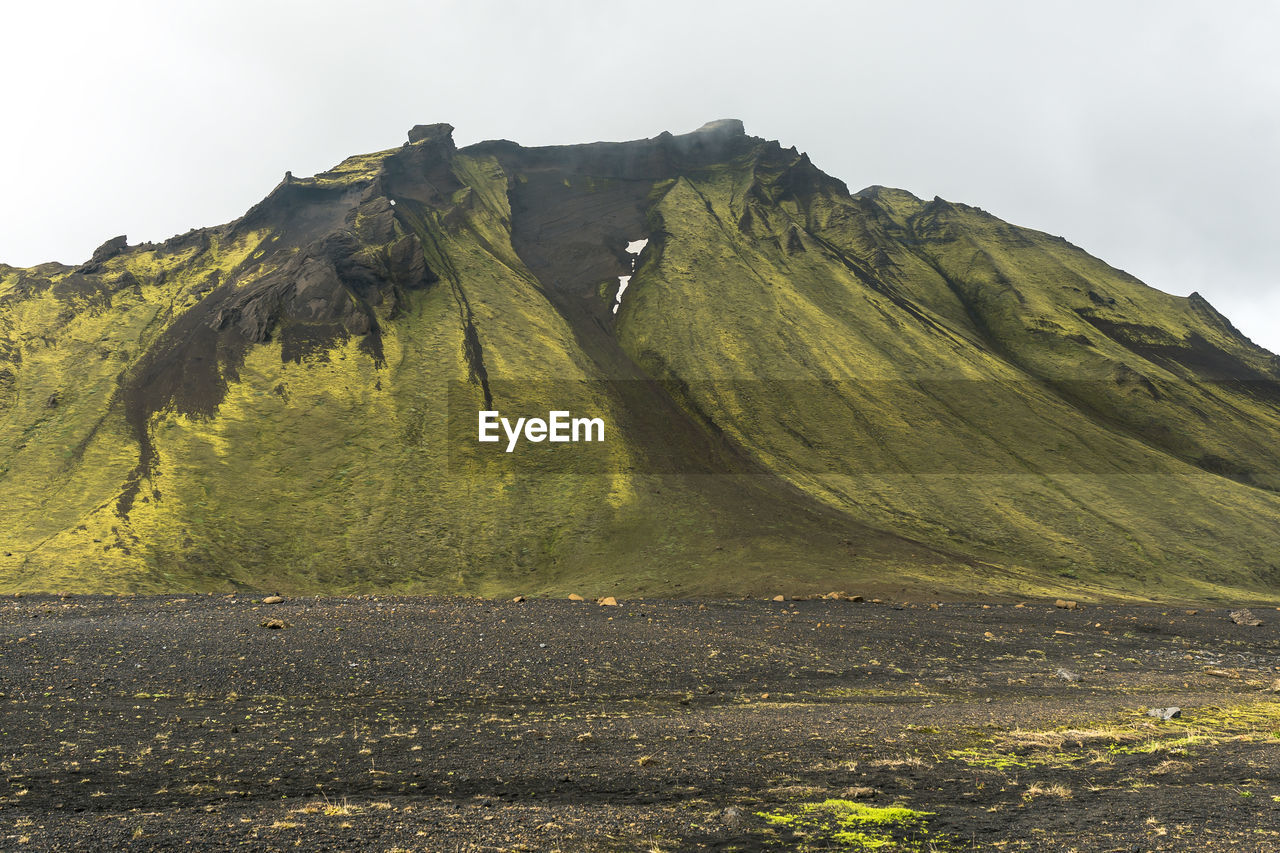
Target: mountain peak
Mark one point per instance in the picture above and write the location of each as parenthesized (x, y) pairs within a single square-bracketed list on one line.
[(439, 132), (724, 127)]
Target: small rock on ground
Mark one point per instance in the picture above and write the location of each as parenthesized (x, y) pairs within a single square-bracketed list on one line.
[(1245, 617)]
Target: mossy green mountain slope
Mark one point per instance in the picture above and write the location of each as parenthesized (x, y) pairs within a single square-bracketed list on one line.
[(804, 389)]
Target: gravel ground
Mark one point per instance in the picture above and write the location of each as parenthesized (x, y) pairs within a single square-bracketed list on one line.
[(439, 724)]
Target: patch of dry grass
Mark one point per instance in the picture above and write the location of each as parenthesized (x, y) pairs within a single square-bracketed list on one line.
[(1039, 789), (1170, 766), (897, 763)]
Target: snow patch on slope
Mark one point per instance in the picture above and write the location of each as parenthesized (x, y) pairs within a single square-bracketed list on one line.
[(634, 248)]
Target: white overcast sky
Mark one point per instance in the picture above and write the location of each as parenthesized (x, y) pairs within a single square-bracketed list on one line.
[(1146, 132)]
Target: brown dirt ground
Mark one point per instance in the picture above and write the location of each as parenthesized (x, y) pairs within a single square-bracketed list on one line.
[(180, 723)]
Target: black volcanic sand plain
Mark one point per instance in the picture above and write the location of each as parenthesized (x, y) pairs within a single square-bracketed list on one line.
[(438, 724)]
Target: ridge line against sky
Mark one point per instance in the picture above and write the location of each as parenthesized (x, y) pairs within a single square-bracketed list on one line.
[(1146, 133)]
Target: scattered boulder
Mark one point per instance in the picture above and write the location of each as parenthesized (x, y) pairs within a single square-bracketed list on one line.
[(607, 601), (1223, 673), (1164, 713), (519, 599), (779, 598), (1245, 617), (1063, 604), (573, 596), (1067, 675), (731, 816), (859, 792), (273, 599), (1192, 612), (274, 624), (854, 598)]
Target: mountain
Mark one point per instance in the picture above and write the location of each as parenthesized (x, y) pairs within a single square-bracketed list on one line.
[(802, 389)]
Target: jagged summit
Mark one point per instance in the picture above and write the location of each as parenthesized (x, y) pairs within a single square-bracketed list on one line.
[(109, 249), (430, 132), (724, 126), (801, 385)]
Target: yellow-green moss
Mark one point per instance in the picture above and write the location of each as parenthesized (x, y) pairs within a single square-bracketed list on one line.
[(852, 825), (1134, 734)]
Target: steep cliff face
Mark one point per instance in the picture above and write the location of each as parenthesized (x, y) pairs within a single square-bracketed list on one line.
[(801, 387)]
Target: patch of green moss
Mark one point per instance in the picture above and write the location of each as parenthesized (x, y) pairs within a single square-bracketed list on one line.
[(66, 450), (353, 170), (988, 758), (1137, 734), (1202, 727), (1172, 745), (852, 825)]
